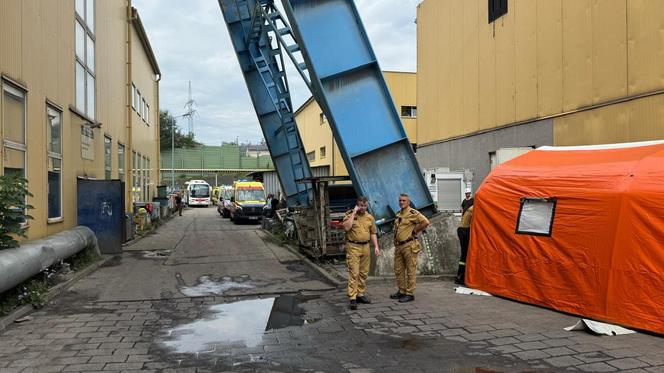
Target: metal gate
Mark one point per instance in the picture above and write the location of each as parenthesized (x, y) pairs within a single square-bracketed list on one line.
[(101, 208)]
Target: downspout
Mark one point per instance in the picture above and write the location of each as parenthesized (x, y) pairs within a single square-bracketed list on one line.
[(129, 175), (158, 133)]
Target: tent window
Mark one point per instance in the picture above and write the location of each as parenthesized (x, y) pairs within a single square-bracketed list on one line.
[(536, 216)]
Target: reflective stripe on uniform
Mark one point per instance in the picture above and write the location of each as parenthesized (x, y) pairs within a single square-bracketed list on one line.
[(462, 263)]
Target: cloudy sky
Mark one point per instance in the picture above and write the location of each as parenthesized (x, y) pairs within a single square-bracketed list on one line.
[(191, 44)]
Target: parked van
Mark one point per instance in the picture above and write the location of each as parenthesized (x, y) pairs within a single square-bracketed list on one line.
[(198, 193), (247, 201)]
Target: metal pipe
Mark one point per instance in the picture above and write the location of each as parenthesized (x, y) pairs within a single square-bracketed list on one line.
[(31, 258)]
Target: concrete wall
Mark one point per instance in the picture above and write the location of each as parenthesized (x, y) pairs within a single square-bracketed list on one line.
[(440, 249), (472, 152)]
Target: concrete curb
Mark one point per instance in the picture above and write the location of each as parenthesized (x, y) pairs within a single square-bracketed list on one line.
[(334, 281), (52, 293)]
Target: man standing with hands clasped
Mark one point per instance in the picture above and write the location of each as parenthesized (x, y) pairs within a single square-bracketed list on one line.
[(360, 227), (407, 225)]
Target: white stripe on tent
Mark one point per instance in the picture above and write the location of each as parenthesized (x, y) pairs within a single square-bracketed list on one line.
[(602, 147)]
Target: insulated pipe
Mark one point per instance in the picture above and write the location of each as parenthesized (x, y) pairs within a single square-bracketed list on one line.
[(22, 263)]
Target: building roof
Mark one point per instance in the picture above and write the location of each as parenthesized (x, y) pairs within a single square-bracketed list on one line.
[(143, 36)]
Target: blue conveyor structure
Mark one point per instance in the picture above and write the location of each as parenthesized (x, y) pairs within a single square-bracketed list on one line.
[(329, 46), (262, 63)]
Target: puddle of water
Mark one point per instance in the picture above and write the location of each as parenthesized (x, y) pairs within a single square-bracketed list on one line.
[(210, 286), (237, 324)]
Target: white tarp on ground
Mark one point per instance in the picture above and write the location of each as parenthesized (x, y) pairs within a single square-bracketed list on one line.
[(599, 327), (469, 291)]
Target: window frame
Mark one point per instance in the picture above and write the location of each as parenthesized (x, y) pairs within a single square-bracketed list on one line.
[(495, 11), (7, 87), (411, 109), (53, 155), (522, 202), (133, 96), (88, 33), (108, 168), (121, 162), (323, 152)]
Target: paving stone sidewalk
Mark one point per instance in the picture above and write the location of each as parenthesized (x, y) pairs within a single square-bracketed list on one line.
[(512, 330), (440, 331)]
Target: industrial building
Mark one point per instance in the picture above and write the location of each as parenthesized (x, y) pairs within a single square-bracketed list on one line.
[(509, 75), (80, 100), (322, 150)]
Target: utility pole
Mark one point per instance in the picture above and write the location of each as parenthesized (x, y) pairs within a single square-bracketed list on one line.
[(190, 107)]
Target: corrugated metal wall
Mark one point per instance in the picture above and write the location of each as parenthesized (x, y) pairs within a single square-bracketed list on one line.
[(271, 181), (544, 57), (636, 120)]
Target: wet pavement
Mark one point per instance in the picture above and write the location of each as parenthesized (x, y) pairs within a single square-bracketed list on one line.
[(204, 295)]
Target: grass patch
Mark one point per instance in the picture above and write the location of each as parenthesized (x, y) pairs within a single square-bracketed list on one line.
[(34, 290)]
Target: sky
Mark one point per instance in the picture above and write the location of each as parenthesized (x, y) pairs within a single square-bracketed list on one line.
[(191, 43)]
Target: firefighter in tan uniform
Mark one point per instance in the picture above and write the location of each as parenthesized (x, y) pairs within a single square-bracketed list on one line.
[(360, 228), (407, 225)]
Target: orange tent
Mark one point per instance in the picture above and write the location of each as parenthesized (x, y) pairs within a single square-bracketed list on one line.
[(576, 229)]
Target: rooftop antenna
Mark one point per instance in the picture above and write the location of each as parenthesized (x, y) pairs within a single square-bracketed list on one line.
[(190, 112)]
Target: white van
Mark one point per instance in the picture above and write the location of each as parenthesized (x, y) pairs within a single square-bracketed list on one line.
[(198, 193)]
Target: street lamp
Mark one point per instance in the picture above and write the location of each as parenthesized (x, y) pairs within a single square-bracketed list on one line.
[(173, 148)]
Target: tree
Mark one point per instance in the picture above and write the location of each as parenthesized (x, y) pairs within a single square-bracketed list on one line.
[(167, 122), (13, 190)]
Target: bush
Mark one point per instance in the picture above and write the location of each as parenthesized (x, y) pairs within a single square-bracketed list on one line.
[(13, 193)]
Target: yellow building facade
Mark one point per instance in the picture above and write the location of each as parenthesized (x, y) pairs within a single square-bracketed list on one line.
[(321, 148), (70, 72), (544, 72)]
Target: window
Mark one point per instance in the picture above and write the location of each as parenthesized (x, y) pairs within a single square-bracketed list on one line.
[(147, 114), (85, 57), (108, 168), (133, 96), (137, 99), (323, 118), (13, 120), (138, 102), (143, 109), (497, 9), (54, 173), (409, 111), (322, 152), (311, 156), (121, 162), (536, 216)]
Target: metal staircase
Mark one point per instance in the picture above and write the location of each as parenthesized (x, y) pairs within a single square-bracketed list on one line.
[(258, 32)]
